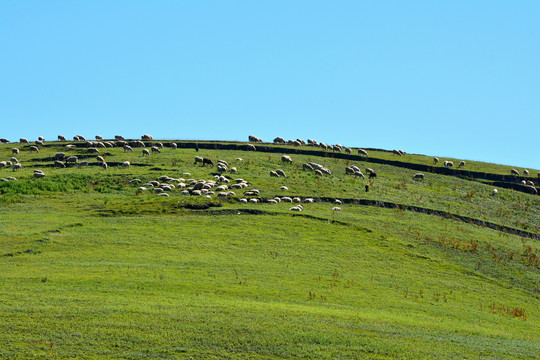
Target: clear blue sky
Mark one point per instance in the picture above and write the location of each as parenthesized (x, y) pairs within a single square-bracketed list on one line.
[(446, 78)]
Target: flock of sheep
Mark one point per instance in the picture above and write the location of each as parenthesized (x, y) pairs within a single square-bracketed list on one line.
[(220, 184)]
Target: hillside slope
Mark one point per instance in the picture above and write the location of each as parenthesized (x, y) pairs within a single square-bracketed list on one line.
[(95, 267)]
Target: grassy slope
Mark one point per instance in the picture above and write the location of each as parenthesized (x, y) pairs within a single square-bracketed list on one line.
[(155, 280)]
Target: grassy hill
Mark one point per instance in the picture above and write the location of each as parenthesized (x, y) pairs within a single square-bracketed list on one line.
[(94, 268)]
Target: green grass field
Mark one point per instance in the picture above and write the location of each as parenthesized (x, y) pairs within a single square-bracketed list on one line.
[(92, 268)]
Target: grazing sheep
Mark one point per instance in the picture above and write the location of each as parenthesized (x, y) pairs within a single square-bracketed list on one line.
[(448, 164), (253, 138), (207, 161), (461, 164), (93, 150), (14, 160), (33, 149), (221, 168), (296, 208), (126, 164), (349, 170), (24, 141), (532, 189), (494, 192), (174, 146), (359, 173), (529, 182), (15, 151), (362, 152), (348, 150), (38, 142), (284, 188), (396, 152), (83, 163), (70, 146), (309, 200), (286, 159), (4, 141), (99, 137), (118, 137), (251, 147), (147, 137), (239, 159), (307, 167), (145, 152), (38, 174), (526, 172), (281, 173), (367, 187), (128, 148), (41, 138), (523, 182), (514, 172), (72, 159), (155, 149), (104, 165), (279, 140), (318, 172), (3, 164), (435, 160), (16, 167), (286, 199), (233, 170), (58, 163), (336, 208), (418, 176)]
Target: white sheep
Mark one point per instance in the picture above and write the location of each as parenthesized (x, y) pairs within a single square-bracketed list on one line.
[(104, 165), (16, 167), (526, 172), (418, 176), (448, 164), (147, 137), (251, 147), (82, 163), (284, 188), (15, 151), (145, 152), (24, 141), (128, 148), (461, 164), (59, 156), (514, 172), (126, 164), (336, 208), (435, 160), (58, 163), (72, 159), (286, 159), (155, 149), (281, 173), (494, 192), (61, 138), (34, 149), (273, 173)]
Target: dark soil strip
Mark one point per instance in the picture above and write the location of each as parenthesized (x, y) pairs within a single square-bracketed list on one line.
[(444, 214)]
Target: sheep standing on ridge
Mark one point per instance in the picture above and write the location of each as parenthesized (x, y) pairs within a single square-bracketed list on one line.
[(363, 152), (61, 138), (435, 160), (526, 172), (461, 164), (24, 141), (251, 147), (514, 172)]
